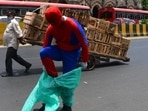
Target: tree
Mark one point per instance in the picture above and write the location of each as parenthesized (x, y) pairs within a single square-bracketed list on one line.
[(145, 4)]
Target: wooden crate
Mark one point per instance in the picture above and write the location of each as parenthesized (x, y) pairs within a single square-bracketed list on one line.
[(125, 42), (35, 20), (116, 40), (111, 28), (32, 33), (102, 48), (114, 51), (90, 33), (102, 26), (93, 21), (102, 37), (92, 46), (75, 15), (106, 27), (65, 12), (123, 52), (83, 18), (45, 25), (118, 51), (71, 13), (43, 9)]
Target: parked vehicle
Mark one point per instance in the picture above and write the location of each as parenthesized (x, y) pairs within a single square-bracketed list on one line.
[(124, 21), (111, 13), (5, 19)]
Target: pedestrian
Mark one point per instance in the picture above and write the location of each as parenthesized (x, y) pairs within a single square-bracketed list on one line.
[(12, 37), (71, 42)]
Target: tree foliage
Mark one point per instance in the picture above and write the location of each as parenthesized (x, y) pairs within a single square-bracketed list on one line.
[(145, 4)]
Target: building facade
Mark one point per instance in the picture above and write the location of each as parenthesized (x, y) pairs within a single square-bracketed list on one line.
[(97, 4)]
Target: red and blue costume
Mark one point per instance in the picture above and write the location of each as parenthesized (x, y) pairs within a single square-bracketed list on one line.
[(71, 42)]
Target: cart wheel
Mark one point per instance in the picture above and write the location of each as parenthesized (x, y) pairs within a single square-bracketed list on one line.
[(91, 62)]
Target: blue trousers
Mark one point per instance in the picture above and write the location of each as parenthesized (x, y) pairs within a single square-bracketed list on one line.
[(69, 58)]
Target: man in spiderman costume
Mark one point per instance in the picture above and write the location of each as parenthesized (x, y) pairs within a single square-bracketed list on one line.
[(71, 42)]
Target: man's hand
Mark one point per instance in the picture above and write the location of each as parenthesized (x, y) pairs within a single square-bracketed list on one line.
[(22, 41), (83, 65)]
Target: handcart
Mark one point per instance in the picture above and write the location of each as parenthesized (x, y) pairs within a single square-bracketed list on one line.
[(104, 44), (97, 58)]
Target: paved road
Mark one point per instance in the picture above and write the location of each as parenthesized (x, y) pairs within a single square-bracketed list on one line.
[(114, 86)]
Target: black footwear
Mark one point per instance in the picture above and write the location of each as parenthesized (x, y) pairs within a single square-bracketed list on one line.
[(66, 108), (41, 109), (6, 75), (27, 68), (59, 109)]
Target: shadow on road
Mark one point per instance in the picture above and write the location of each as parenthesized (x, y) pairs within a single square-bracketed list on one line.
[(32, 71), (20, 72), (110, 64)]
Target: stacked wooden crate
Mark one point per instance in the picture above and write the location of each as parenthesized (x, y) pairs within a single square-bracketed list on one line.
[(36, 24), (81, 16), (34, 27), (103, 41)]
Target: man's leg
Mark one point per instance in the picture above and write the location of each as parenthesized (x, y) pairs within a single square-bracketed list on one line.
[(21, 61), (8, 62), (67, 96), (70, 62), (47, 55)]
